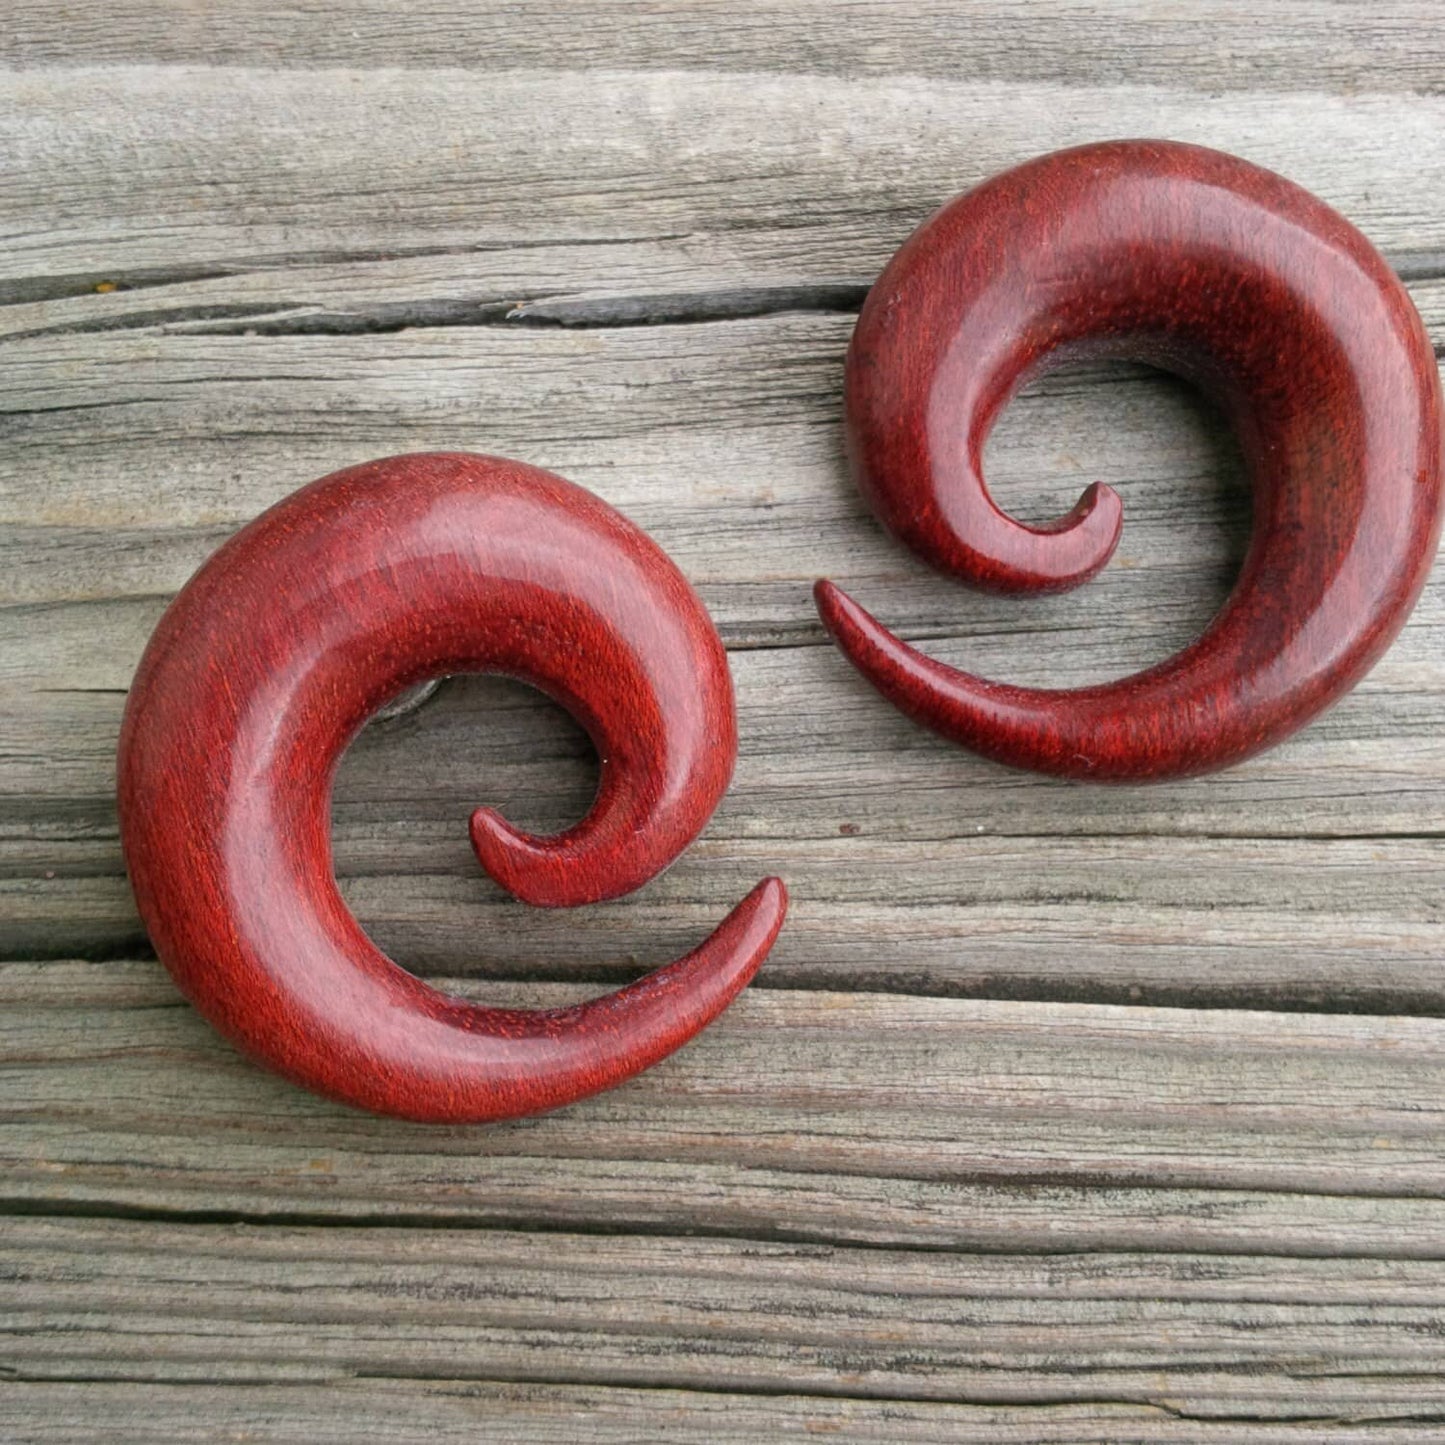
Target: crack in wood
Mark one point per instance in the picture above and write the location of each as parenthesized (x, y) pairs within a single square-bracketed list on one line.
[(839, 1242), (654, 309)]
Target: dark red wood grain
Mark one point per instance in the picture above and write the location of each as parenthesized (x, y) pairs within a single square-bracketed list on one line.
[(274, 655), (1233, 277)]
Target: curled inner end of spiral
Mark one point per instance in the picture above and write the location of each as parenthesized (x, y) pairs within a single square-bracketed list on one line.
[(1057, 555)]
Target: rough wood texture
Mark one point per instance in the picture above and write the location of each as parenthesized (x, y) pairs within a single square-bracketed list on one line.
[(547, 1414), (1058, 1114), (178, 1303), (1211, 45)]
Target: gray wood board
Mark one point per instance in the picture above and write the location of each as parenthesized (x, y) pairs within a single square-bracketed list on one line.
[(1059, 1114), (1212, 46), (986, 880), (394, 1410), (842, 1117), (124, 1300), (1159, 1215)]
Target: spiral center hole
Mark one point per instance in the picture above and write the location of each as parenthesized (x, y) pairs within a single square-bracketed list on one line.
[(403, 794)]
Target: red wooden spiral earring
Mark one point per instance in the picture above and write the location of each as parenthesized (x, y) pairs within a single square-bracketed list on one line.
[(269, 661), (1236, 279)]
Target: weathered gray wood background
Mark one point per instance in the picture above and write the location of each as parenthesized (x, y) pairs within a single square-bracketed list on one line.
[(1058, 1114)]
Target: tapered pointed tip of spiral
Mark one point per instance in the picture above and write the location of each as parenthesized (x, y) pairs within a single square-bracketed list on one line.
[(759, 915), (495, 842), (583, 865), (745, 936), (837, 609), (770, 899)]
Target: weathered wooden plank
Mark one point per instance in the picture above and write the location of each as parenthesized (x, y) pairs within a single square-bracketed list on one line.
[(826, 796), (820, 751), (1183, 1225), (807, 773), (1331, 924), (770, 506), (244, 165), (805, 1116), (1200, 1335), (1207, 44), (721, 440), (644, 280), (419, 1412)]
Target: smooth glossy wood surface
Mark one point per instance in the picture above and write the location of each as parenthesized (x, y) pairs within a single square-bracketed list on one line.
[(267, 664), (1233, 277)]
